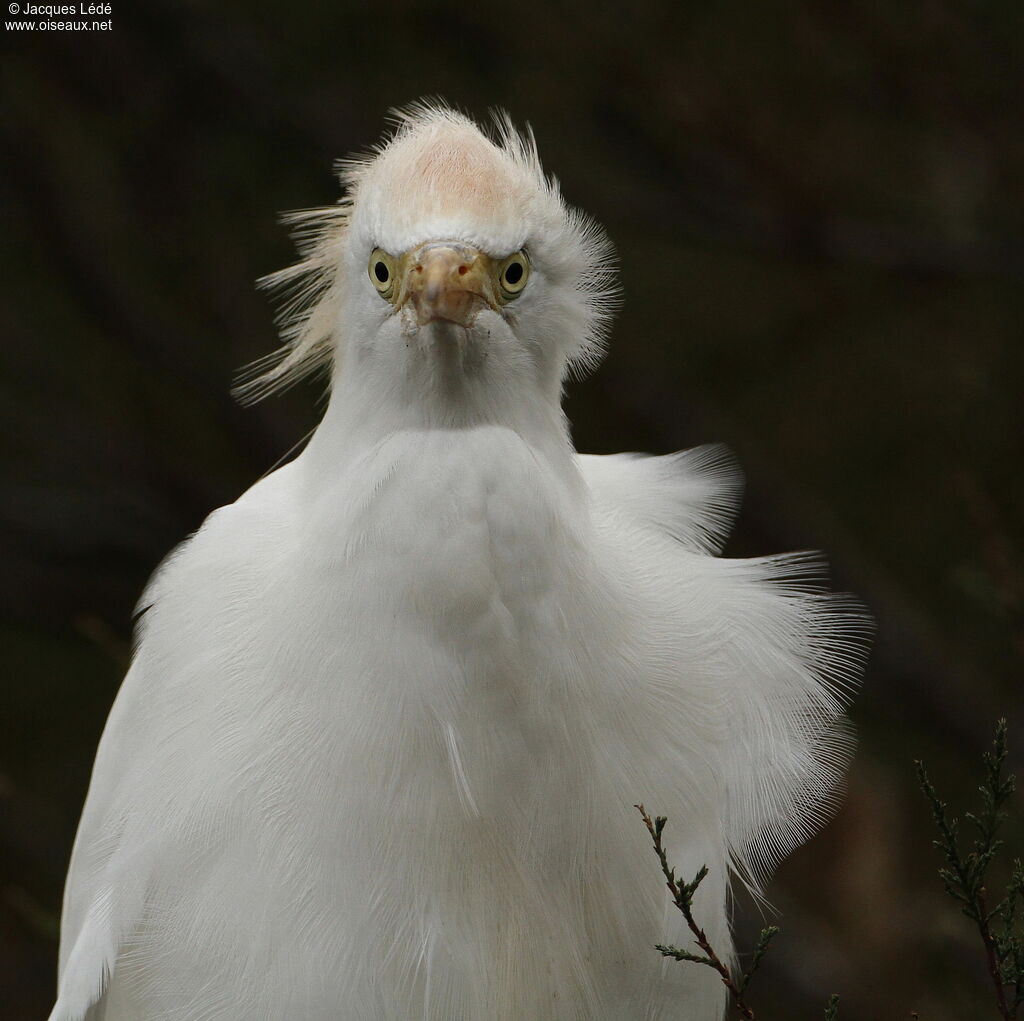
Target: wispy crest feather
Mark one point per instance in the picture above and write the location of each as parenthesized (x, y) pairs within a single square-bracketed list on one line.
[(310, 292)]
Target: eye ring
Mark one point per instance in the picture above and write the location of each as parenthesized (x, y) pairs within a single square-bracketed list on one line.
[(381, 270), (513, 273)]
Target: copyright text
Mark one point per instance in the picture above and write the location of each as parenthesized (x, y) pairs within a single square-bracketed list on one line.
[(50, 17)]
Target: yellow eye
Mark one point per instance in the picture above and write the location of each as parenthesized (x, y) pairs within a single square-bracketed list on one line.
[(382, 272), (513, 274)]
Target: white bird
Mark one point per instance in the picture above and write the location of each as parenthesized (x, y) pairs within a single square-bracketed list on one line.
[(377, 753)]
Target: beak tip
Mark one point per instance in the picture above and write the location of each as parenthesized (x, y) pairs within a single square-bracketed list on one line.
[(450, 284)]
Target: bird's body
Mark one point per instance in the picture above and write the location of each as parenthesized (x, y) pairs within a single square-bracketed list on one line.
[(377, 754)]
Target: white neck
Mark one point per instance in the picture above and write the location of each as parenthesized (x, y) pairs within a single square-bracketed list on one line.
[(440, 385)]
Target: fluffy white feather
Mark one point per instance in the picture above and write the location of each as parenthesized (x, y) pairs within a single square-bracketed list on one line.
[(377, 752)]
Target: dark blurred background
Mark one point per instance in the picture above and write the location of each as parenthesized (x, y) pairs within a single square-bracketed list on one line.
[(818, 211)]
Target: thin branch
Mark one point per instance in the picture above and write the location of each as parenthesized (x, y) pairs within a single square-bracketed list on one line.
[(964, 874), (767, 934), (682, 895)]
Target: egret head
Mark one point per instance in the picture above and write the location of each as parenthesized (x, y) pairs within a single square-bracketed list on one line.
[(450, 260)]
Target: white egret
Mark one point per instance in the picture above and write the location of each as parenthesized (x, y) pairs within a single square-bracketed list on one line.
[(377, 753)]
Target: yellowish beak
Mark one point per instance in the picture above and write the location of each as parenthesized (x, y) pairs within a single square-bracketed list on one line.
[(447, 281)]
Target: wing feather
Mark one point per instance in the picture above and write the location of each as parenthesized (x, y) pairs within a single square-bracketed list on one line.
[(762, 638), (692, 495)]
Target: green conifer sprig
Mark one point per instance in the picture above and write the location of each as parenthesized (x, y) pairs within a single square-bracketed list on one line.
[(963, 875), (682, 895)]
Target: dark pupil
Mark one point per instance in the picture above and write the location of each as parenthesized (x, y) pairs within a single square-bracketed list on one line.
[(380, 271), (513, 273)]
